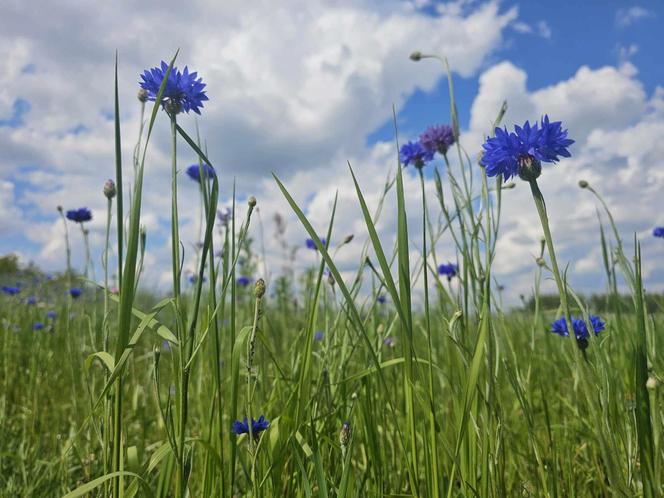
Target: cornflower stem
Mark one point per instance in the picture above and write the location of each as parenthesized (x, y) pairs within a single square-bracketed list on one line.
[(432, 414), (107, 407), (175, 256), (67, 245), (544, 220), (86, 243), (250, 362)]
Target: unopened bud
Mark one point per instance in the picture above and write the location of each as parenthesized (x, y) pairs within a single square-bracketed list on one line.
[(348, 238), (583, 184), (330, 279), (508, 185), (59, 208), (344, 434), (651, 383), (540, 262), (251, 201), (416, 56), (109, 189), (142, 95), (259, 288)]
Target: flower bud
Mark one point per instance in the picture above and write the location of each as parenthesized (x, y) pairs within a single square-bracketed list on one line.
[(583, 184), (348, 238), (142, 95), (651, 383), (251, 201), (416, 56), (529, 168), (109, 189), (540, 262), (259, 288), (344, 434)]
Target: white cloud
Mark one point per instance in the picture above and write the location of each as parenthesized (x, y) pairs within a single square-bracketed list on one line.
[(541, 28), (627, 17)]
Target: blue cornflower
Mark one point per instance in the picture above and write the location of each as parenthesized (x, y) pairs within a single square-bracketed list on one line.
[(37, 326), (79, 215), (194, 172), (51, 314), (183, 91), (10, 291), (658, 232), (224, 216), (580, 328), (75, 292), (312, 245), (449, 270), (414, 153), (390, 342), (243, 281), (257, 426), (31, 300), (381, 299), (522, 151), (318, 336), (166, 345), (437, 138)]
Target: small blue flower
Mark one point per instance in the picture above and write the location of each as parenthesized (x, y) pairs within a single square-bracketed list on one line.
[(381, 299), (166, 345), (194, 172), (510, 153), (243, 281), (449, 270), (79, 215), (51, 314), (318, 336), (390, 342), (224, 216), (658, 232), (437, 138), (257, 426), (312, 245), (414, 153), (580, 328), (183, 91), (10, 291), (31, 300), (75, 292), (37, 326)]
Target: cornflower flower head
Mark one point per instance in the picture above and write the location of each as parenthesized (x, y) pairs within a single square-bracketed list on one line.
[(390, 342), (437, 138), (10, 291), (75, 292), (523, 151), (450, 270), (194, 172), (31, 300), (414, 153), (312, 245), (51, 314), (183, 91), (257, 426), (580, 328), (224, 216), (37, 326), (319, 335), (79, 215), (243, 281), (658, 232), (381, 299)]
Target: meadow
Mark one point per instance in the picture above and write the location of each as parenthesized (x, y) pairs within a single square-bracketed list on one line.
[(312, 384)]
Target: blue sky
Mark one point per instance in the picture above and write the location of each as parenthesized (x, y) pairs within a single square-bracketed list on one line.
[(302, 88)]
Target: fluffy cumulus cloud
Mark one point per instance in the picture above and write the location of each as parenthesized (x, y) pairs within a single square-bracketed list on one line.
[(615, 125)]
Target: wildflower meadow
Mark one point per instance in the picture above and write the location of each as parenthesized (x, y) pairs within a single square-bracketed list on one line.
[(406, 376)]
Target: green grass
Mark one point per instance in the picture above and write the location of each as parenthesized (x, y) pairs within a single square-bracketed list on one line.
[(471, 401)]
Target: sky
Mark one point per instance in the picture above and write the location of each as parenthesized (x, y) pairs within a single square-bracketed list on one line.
[(304, 88)]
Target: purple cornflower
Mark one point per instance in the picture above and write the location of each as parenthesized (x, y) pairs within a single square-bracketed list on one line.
[(37, 326), (437, 138), (224, 216), (75, 292), (31, 300), (257, 426), (658, 232), (79, 215), (450, 270), (183, 91), (243, 281), (10, 291), (194, 172), (318, 336), (390, 342), (580, 328), (414, 153), (522, 151), (381, 299), (312, 245), (51, 314)]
